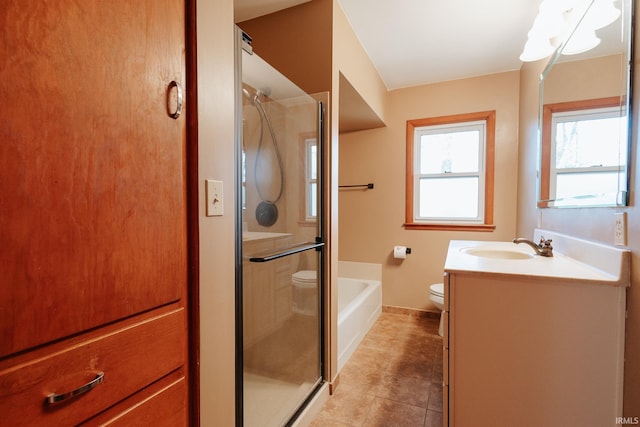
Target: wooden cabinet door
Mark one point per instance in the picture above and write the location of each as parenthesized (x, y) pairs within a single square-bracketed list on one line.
[(92, 166)]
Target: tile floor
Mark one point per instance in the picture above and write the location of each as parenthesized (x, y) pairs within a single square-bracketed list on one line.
[(394, 378)]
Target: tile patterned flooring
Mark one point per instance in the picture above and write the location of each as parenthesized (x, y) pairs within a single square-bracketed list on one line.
[(394, 377)]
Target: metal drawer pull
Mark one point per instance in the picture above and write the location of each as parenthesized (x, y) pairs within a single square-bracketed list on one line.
[(179, 99), (57, 398)]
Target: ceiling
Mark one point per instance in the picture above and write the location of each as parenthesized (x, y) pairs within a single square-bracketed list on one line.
[(248, 9), (414, 42)]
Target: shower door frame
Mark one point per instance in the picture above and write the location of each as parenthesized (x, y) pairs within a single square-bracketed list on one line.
[(243, 42)]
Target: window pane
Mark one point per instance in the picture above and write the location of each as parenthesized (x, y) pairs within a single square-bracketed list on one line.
[(313, 160), (449, 198), (572, 184), (313, 200), (586, 143), (450, 152)]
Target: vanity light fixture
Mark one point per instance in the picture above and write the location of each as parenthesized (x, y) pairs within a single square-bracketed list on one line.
[(537, 48), (601, 13), (581, 40), (555, 23)]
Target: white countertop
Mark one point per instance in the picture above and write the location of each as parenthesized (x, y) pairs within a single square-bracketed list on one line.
[(561, 267), (249, 236)]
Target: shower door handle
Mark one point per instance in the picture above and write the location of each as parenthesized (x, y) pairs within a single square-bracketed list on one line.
[(289, 251)]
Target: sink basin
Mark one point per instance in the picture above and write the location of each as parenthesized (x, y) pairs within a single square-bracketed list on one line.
[(497, 253)]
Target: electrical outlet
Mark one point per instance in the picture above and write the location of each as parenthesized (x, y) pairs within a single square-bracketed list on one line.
[(620, 229)]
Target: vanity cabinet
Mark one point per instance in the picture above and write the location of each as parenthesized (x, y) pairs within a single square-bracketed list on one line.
[(527, 350), (93, 214)]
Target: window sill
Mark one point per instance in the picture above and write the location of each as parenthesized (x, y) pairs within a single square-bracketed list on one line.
[(450, 227)]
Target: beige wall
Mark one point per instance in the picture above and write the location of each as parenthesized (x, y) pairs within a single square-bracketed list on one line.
[(371, 221), (215, 161), (587, 79), (350, 59), (589, 223)]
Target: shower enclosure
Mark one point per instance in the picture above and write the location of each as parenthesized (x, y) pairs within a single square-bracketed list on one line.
[(279, 242)]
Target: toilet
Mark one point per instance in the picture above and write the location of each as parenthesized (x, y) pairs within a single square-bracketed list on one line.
[(436, 295), (305, 292)]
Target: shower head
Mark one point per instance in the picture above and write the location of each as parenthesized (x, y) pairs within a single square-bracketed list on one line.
[(265, 91), (252, 98)]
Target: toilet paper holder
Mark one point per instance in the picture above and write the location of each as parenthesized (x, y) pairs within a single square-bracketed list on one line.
[(400, 252)]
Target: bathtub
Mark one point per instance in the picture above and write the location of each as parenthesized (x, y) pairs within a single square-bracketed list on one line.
[(359, 306)]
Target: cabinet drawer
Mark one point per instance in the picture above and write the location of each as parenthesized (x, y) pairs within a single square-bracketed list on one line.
[(161, 404), (131, 357), (283, 280)]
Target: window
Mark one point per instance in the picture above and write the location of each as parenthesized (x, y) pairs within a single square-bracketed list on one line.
[(311, 179), (450, 172), (578, 165)]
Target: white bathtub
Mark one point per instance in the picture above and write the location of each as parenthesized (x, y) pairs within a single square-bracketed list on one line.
[(359, 306)]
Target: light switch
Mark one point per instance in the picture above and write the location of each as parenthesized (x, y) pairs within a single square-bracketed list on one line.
[(215, 205)]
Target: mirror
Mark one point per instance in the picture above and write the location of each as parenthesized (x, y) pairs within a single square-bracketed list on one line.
[(584, 121)]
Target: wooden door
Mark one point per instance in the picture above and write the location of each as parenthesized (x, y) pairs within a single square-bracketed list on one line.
[(92, 166)]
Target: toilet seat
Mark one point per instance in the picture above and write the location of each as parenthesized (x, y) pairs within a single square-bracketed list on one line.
[(304, 292), (305, 275), (436, 295), (437, 290), (305, 279)]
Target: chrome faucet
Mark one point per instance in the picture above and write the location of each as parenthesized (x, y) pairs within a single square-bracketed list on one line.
[(543, 248)]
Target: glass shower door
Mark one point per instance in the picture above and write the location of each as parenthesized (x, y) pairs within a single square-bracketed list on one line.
[(281, 255)]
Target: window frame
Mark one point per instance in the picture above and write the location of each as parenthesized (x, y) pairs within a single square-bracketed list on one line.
[(483, 223), (548, 170)]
